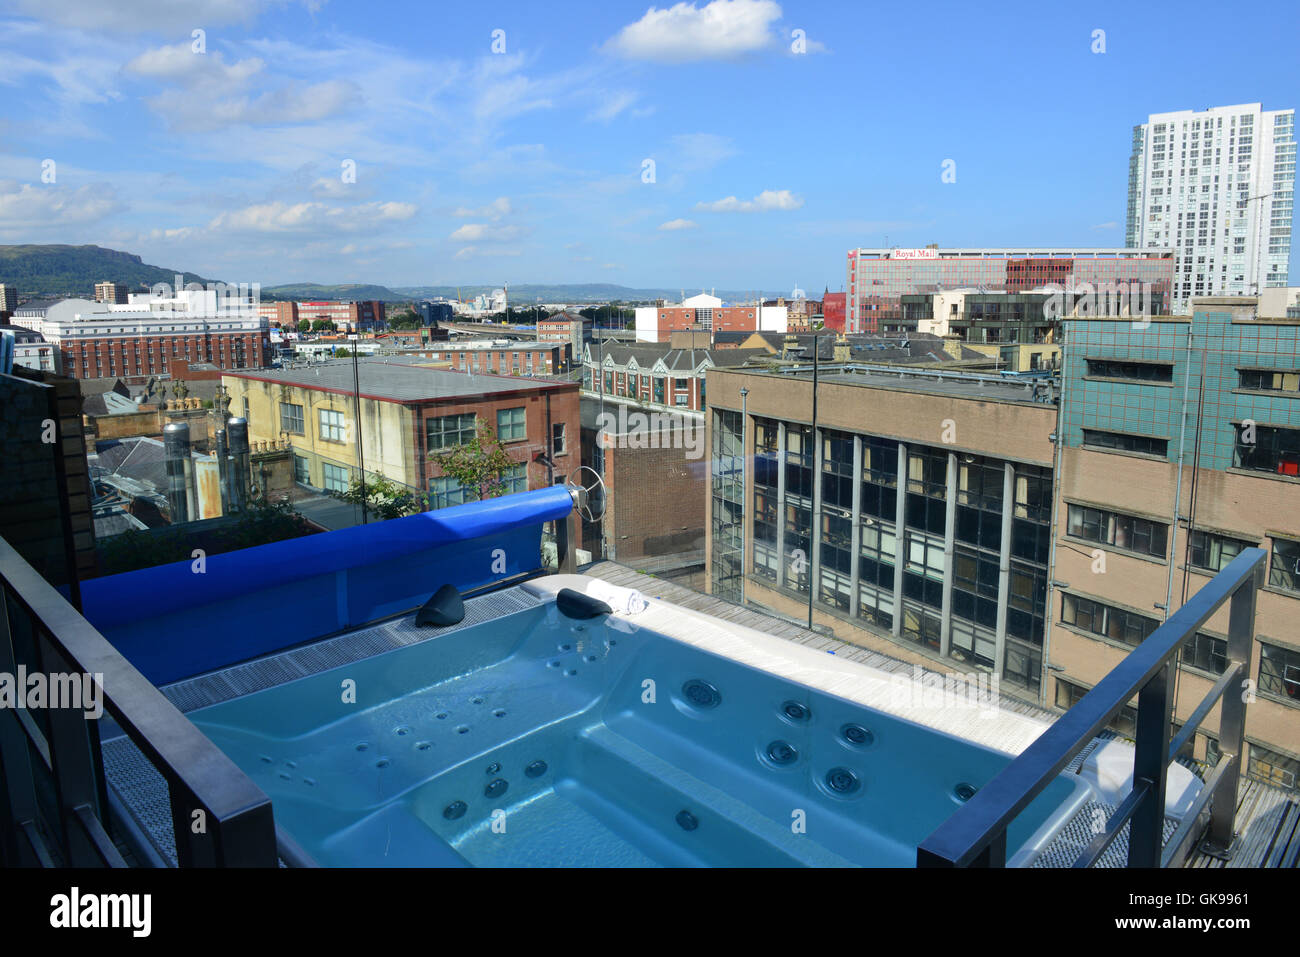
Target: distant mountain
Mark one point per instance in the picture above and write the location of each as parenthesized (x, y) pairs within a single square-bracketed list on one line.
[(41, 271), (526, 293), (311, 291)]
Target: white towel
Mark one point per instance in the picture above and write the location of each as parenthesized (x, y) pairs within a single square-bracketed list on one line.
[(629, 601)]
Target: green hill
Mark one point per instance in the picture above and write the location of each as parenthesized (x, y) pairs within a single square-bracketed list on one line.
[(40, 271), (310, 291)]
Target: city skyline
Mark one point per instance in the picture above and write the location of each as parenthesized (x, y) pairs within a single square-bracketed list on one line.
[(321, 142)]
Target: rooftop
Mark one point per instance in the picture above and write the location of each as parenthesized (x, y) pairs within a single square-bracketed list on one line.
[(391, 380), (1028, 390)]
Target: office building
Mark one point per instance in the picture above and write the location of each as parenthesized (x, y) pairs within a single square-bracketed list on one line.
[(1218, 186), (878, 278), (1120, 554)]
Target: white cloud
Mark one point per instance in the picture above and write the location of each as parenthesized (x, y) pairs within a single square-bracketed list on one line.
[(614, 105), (205, 109), (1111, 225), (179, 62), (280, 217), (481, 232), (675, 224), (722, 29), (769, 199), (159, 15), (472, 252), (27, 206), (494, 210)]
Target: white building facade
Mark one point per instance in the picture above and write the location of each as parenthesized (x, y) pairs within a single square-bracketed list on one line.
[(1218, 186)]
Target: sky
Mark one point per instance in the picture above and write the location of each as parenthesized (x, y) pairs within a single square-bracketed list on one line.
[(736, 144)]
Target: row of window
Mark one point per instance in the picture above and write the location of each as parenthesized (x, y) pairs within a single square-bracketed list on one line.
[(443, 432), (442, 491), (1268, 380)]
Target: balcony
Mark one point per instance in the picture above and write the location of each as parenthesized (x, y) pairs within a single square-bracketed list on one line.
[(173, 653)]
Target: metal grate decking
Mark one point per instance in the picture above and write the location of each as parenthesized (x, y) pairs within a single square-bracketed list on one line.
[(1268, 817)]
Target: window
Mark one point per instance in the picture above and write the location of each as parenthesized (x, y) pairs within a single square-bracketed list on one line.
[(1206, 652), (336, 477), (1273, 449), (1211, 552), (1273, 767), (448, 491), (1124, 442), (516, 479), (1123, 369), (332, 428), (291, 419), (557, 438), (1285, 569), (1270, 380), (448, 431), (511, 426), (301, 470), (1069, 694), (1106, 620), (1121, 531), (1279, 671)]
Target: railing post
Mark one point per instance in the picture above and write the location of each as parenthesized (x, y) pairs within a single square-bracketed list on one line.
[(1150, 767), (1232, 718), (74, 745)]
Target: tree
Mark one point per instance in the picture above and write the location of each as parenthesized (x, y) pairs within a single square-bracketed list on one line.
[(405, 320), (480, 464), (343, 352), (382, 497), (322, 325)]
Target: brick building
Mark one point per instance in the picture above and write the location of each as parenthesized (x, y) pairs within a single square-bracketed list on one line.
[(502, 357), (655, 375), (653, 469), (658, 323), (143, 337), (366, 316), (407, 412)]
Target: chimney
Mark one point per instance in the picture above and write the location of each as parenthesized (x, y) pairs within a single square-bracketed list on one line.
[(176, 455), (238, 475), (223, 468), (842, 351)]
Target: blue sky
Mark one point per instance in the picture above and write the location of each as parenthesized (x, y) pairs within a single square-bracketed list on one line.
[(528, 165)]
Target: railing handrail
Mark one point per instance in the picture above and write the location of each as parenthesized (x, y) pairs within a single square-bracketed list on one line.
[(237, 828), (979, 827)]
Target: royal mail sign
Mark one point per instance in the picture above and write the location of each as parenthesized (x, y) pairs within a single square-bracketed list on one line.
[(914, 254)]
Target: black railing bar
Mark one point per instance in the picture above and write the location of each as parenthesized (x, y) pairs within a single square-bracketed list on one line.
[(1209, 701), (1114, 824), (125, 823), (34, 735), (97, 836), (37, 843), (1189, 826), (153, 723), (961, 837)]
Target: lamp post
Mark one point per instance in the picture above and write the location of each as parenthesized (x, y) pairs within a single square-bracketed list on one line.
[(744, 458), (817, 328)]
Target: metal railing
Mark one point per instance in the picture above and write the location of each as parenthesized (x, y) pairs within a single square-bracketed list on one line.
[(976, 835), (219, 816)]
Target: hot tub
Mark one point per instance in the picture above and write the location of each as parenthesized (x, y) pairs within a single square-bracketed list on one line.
[(523, 737)]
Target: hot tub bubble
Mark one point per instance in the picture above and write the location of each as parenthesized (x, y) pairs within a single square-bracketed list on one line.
[(782, 753), (856, 736), (795, 711), (842, 781), (701, 694)]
